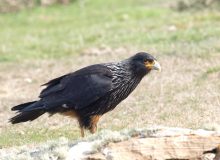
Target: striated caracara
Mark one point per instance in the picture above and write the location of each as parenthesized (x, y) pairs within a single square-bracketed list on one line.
[(90, 92)]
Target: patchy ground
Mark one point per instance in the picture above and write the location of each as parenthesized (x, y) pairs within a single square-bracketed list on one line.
[(185, 94), (142, 144)]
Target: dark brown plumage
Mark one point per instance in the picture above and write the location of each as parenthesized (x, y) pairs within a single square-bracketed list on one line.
[(90, 92)]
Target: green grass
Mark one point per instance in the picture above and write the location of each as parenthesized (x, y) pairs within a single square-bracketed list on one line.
[(60, 31), (36, 134), (210, 71), (213, 70)]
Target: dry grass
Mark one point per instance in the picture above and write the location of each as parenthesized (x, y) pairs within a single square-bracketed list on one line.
[(178, 96)]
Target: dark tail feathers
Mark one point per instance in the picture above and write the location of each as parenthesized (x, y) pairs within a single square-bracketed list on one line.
[(22, 106), (27, 112)]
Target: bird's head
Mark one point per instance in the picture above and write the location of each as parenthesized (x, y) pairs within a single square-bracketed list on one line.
[(144, 62)]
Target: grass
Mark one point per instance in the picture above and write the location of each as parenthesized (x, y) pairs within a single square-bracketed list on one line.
[(35, 134), (60, 31), (212, 70), (42, 43)]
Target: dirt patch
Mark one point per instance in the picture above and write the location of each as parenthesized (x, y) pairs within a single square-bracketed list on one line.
[(185, 5)]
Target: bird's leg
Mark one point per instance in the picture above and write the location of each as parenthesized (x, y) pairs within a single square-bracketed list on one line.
[(93, 128), (94, 121), (81, 127), (82, 131)]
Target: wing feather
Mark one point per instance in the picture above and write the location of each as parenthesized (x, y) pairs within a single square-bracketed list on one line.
[(78, 89)]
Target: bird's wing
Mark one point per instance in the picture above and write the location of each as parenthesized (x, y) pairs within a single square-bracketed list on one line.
[(79, 89)]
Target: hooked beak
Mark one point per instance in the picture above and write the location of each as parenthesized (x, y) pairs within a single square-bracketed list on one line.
[(153, 65), (156, 66)]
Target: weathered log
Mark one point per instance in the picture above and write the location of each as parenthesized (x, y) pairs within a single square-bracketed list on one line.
[(164, 144)]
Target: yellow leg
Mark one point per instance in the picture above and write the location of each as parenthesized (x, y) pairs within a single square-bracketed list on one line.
[(94, 121), (93, 129)]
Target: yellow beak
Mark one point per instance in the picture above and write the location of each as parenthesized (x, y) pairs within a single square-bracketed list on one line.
[(153, 66)]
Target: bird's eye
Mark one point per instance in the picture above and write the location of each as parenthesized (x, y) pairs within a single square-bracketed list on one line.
[(148, 61)]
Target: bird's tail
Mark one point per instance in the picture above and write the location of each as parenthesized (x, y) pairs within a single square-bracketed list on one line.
[(27, 112)]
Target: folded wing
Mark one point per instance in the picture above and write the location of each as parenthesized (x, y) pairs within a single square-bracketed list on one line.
[(78, 89)]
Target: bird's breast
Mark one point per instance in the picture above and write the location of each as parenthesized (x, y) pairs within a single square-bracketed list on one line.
[(120, 93)]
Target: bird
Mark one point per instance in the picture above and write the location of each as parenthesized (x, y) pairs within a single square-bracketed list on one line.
[(90, 92)]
